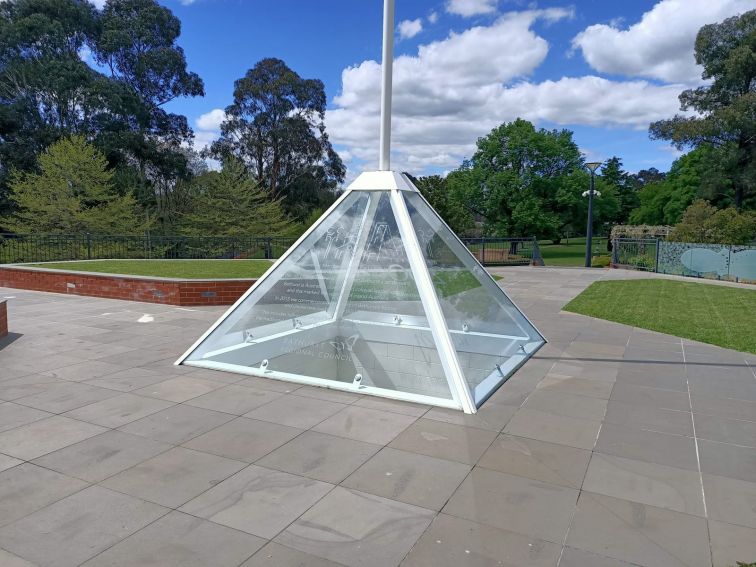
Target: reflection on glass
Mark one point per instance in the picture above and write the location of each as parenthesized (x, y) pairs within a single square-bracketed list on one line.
[(344, 310)]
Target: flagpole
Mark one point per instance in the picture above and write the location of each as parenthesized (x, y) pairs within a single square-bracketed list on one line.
[(386, 76)]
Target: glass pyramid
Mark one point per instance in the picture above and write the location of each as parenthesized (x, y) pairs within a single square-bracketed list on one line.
[(378, 297)]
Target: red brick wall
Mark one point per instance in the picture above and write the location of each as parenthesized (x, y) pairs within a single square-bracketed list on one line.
[(3, 318), (176, 292)]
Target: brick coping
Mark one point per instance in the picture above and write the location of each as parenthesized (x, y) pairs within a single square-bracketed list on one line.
[(167, 291), (28, 268)]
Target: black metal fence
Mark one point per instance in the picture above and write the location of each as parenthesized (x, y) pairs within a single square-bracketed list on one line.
[(17, 248), (505, 251), (52, 248), (635, 253)]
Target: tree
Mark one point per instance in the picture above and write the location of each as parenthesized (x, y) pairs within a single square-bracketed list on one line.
[(72, 193), (230, 202), (275, 127), (703, 223), (663, 202), (48, 92), (726, 119), (627, 195), (522, 181)]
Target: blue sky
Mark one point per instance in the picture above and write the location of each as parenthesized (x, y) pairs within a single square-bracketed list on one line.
[(603, 69)]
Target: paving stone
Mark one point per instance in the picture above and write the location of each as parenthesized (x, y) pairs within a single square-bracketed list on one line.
[(244, 439), (86, 370), (543, 426), (14, 415), (7, 462), (364, 424), (177, 424), (104, 455), (65, 396), (646, 417), (728, 460), (547, 462), (408, 477), (179, 389), (258, 501), (650, 397), (727, 408), (572, 557), (650, 446), (491, 416), (355, 528), (601, 389), (8, 559), (296, 411), (27, 488), (328, 394), (638, 533), (174, 477), (320, 456), (234, 399), (445, 440), (119, 410), (450, 542), (647, 483), (129, 379), (78, 527), (737, 432), (396, 406), (180, 540), (513, 503), (730, 544), (44, 436), (276, 555), (568, 405), (730, 500)]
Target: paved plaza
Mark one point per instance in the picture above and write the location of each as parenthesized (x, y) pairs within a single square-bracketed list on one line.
[(611, 447)]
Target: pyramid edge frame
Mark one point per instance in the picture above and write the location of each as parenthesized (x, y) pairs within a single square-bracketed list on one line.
[(395, 183)]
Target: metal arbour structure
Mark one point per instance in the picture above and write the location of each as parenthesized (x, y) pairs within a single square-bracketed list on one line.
[(378, 297)]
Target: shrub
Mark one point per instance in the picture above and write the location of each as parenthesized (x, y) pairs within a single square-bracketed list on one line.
[(601, 261), (703, 223)]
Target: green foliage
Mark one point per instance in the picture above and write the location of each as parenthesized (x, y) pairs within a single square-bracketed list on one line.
[(230, 202), (522, 181), (725, 107), (72, 193), (663, 202), (275, 126), (702, 312), (47, 92), (601, 261), (703, 223), (624, 187)]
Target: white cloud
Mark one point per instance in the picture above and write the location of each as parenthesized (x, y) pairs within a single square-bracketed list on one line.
[(468, 8), (660, 45), (409, 28), (433, 17), (211, 120), (99, 4), (455, 90), (208, 128)]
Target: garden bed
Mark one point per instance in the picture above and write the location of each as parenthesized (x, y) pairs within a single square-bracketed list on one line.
[(150, 289)]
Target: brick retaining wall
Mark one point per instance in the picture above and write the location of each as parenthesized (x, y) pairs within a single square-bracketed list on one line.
[(3, 318), (133, 288)]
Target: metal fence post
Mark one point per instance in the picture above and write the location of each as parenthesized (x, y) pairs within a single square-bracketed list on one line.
[(89, 246), (656, 256)]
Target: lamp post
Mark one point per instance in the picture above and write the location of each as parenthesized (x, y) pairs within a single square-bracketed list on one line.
[(593, 166)]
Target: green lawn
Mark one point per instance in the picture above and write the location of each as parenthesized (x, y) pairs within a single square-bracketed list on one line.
[(569, 253), (719, 315), (191, 269)]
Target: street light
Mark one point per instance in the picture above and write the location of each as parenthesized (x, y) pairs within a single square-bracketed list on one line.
[(593, 166)]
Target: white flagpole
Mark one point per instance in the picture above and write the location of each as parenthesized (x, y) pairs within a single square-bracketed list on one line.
[(386, 68)]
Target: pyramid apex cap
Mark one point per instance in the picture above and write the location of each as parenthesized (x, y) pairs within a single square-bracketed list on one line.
[(381, 181)]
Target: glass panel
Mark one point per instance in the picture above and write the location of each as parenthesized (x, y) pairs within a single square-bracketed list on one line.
[(490, 334), (343, 304)]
